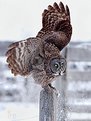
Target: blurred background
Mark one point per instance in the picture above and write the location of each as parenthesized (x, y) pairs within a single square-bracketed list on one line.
[(19, 96)]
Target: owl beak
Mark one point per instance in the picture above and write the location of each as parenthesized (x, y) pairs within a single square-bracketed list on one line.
[(56, 74), (60, 73)]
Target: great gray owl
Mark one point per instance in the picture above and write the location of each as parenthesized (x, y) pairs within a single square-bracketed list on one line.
[(40, 56)]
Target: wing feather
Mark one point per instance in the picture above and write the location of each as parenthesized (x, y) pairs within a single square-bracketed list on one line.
[(19, 56), (56, 19)]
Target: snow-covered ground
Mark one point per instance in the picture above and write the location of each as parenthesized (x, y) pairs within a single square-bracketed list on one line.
[(83, 116), (19, 112)]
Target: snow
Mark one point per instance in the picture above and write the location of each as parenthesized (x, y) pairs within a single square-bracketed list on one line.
[(80, 101), (3, 59), (81, 116), (19, 112), (73, 86)]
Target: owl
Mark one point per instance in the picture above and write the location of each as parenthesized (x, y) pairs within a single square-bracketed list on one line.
[(40, 56)]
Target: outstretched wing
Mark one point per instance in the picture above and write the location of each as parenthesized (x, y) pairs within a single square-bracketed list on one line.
[(19, 56), (57, 19)]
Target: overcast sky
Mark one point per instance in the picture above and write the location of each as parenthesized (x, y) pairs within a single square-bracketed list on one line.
[(20, 19)]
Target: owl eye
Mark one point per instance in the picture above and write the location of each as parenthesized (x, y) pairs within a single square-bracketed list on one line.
[(63, 64), (55, 65)]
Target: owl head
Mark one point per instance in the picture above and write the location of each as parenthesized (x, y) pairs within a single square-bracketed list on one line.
[(58, 66), (54, 63)]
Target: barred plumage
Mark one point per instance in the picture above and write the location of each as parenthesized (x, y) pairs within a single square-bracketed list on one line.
[(35, 55)]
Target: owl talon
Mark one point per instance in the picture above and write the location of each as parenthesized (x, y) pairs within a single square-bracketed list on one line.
[(49, 88), (54, 89), (50, 85)]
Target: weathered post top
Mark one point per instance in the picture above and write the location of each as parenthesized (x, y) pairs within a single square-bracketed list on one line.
[(48, 104)]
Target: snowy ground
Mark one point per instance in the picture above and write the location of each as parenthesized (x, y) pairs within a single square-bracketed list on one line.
[(19, 112)]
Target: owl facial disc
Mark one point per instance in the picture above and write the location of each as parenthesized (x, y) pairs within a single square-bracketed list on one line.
[(58, 66)]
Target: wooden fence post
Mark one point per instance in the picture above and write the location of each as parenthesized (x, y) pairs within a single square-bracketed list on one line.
[(61, 86), (48, 104)]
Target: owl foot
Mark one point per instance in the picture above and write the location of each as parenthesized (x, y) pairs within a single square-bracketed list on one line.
[(50, 85), (49, 88)]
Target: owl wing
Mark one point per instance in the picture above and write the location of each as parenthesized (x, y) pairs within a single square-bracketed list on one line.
[(19, 56), (57, 19)]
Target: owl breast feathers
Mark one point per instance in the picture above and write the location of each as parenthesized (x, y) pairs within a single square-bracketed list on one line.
[(40, 56)]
